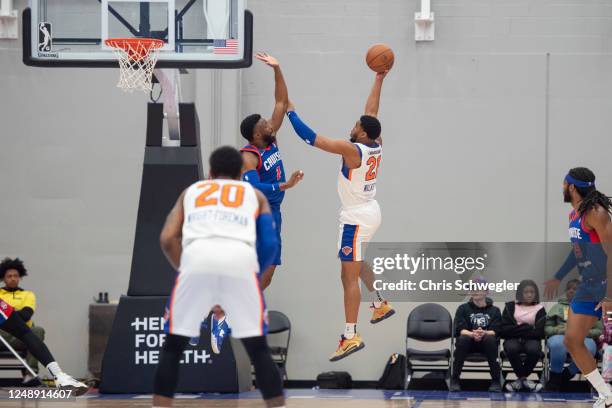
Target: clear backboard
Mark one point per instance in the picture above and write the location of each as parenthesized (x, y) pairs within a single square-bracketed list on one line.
[(196, 33)]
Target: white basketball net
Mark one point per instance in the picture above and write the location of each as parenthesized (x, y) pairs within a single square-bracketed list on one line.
[(137, 60)]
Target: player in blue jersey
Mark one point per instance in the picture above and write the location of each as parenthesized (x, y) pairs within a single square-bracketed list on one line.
[(590, 231), (262, 168), (263, 165)]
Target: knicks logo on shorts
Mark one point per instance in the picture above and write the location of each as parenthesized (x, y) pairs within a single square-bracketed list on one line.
[(347, 250)]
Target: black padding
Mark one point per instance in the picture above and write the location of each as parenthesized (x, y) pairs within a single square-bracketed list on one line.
[(429, 322), (155, 124)]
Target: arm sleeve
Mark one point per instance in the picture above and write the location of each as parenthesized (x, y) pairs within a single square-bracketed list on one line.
[(495, 323), (252, 177), (460, 322), (267, 242), (538, 329), (30, 301), (302, 130), (568, 265)]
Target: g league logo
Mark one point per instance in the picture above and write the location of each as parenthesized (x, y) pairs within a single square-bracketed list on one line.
[(44, 37)]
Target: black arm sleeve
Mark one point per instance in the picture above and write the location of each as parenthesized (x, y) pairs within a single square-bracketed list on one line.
[(538, 330), (495, 323), (460, 320)]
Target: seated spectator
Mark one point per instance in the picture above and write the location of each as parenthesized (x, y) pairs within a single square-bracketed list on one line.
[(555, 331), (24, 302), (522, 328), (477, 325)]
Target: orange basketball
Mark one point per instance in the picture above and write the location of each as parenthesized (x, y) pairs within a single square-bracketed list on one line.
[(380, 58)]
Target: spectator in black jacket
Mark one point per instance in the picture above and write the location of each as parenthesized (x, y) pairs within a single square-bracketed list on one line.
[(477, 324), (523, 328)]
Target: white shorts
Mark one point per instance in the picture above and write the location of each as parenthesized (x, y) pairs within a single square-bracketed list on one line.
[(218, 271), (357, 227)]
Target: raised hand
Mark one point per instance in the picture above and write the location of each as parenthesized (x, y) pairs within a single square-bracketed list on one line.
[(295, 178), (267, 59), (551, 288), (381, 75), (290, 106)]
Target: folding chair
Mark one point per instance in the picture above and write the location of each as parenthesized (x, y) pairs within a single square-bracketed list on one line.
[(278, 323), (430, 323)]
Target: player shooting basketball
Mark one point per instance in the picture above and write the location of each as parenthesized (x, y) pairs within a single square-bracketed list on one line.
[(360, 214), (590, 230)]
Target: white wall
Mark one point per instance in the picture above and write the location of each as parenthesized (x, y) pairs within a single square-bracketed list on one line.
[(464, 119)]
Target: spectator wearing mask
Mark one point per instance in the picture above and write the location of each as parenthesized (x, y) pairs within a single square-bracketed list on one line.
[(522, 328), (555, 330)]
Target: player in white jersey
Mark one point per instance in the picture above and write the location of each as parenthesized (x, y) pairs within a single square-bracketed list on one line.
[(219, 236), (360, 214)]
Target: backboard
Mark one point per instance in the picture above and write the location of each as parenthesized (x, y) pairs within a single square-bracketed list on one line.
[(196, 33)]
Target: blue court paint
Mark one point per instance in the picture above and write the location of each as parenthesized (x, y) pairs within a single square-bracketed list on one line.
[(360, 394)]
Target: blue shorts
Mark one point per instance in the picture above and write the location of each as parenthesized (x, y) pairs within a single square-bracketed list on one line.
[(585, 308), (278, 220)]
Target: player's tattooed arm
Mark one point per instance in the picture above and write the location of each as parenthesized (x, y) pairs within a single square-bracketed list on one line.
[(346, 149), (172, 234), (599, 219), (281, 94)]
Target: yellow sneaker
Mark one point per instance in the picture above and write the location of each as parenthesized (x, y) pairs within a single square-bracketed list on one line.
[(347, 347), (381, 313)]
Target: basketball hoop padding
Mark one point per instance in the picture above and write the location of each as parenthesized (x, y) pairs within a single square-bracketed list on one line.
[(137, 58)]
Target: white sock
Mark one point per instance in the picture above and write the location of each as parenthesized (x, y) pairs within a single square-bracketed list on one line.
[(54, 369), (597, 381), (349, 330)]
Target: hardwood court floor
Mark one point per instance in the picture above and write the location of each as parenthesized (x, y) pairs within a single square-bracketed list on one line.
[(331, 399)]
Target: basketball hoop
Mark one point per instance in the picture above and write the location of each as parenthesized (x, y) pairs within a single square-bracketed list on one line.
[(137, 58)]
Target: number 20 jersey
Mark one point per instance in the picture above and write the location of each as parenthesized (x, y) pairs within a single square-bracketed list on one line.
[(358, 186), (220, 208)]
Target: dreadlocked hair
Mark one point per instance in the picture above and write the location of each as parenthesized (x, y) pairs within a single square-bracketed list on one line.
[(591, 197)]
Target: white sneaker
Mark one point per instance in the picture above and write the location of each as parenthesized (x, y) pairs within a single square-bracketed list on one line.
[(65, 382), (514, 386), (532, 386), (603, 402)]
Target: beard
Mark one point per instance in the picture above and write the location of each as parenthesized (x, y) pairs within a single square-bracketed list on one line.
[(567, 198), (269, 139)]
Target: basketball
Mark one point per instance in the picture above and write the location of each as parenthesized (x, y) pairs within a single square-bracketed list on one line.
[(380, 58)]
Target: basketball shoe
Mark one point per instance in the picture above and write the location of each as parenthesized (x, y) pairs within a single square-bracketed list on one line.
[(384, 311), (346, 347)]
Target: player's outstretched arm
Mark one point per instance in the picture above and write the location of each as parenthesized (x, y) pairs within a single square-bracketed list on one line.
[(373, 102), (267, 241), (172, 234), (281, 94), (342, 147)]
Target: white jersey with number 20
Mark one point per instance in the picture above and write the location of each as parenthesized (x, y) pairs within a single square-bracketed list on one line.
[(220, 208)]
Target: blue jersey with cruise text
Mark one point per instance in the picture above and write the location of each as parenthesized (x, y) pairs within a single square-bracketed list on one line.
[(271, 171)]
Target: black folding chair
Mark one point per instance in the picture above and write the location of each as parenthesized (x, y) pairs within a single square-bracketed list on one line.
[(278, 326), (429, 323)]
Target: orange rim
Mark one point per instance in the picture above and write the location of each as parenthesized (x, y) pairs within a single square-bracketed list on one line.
[(136, 48)]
